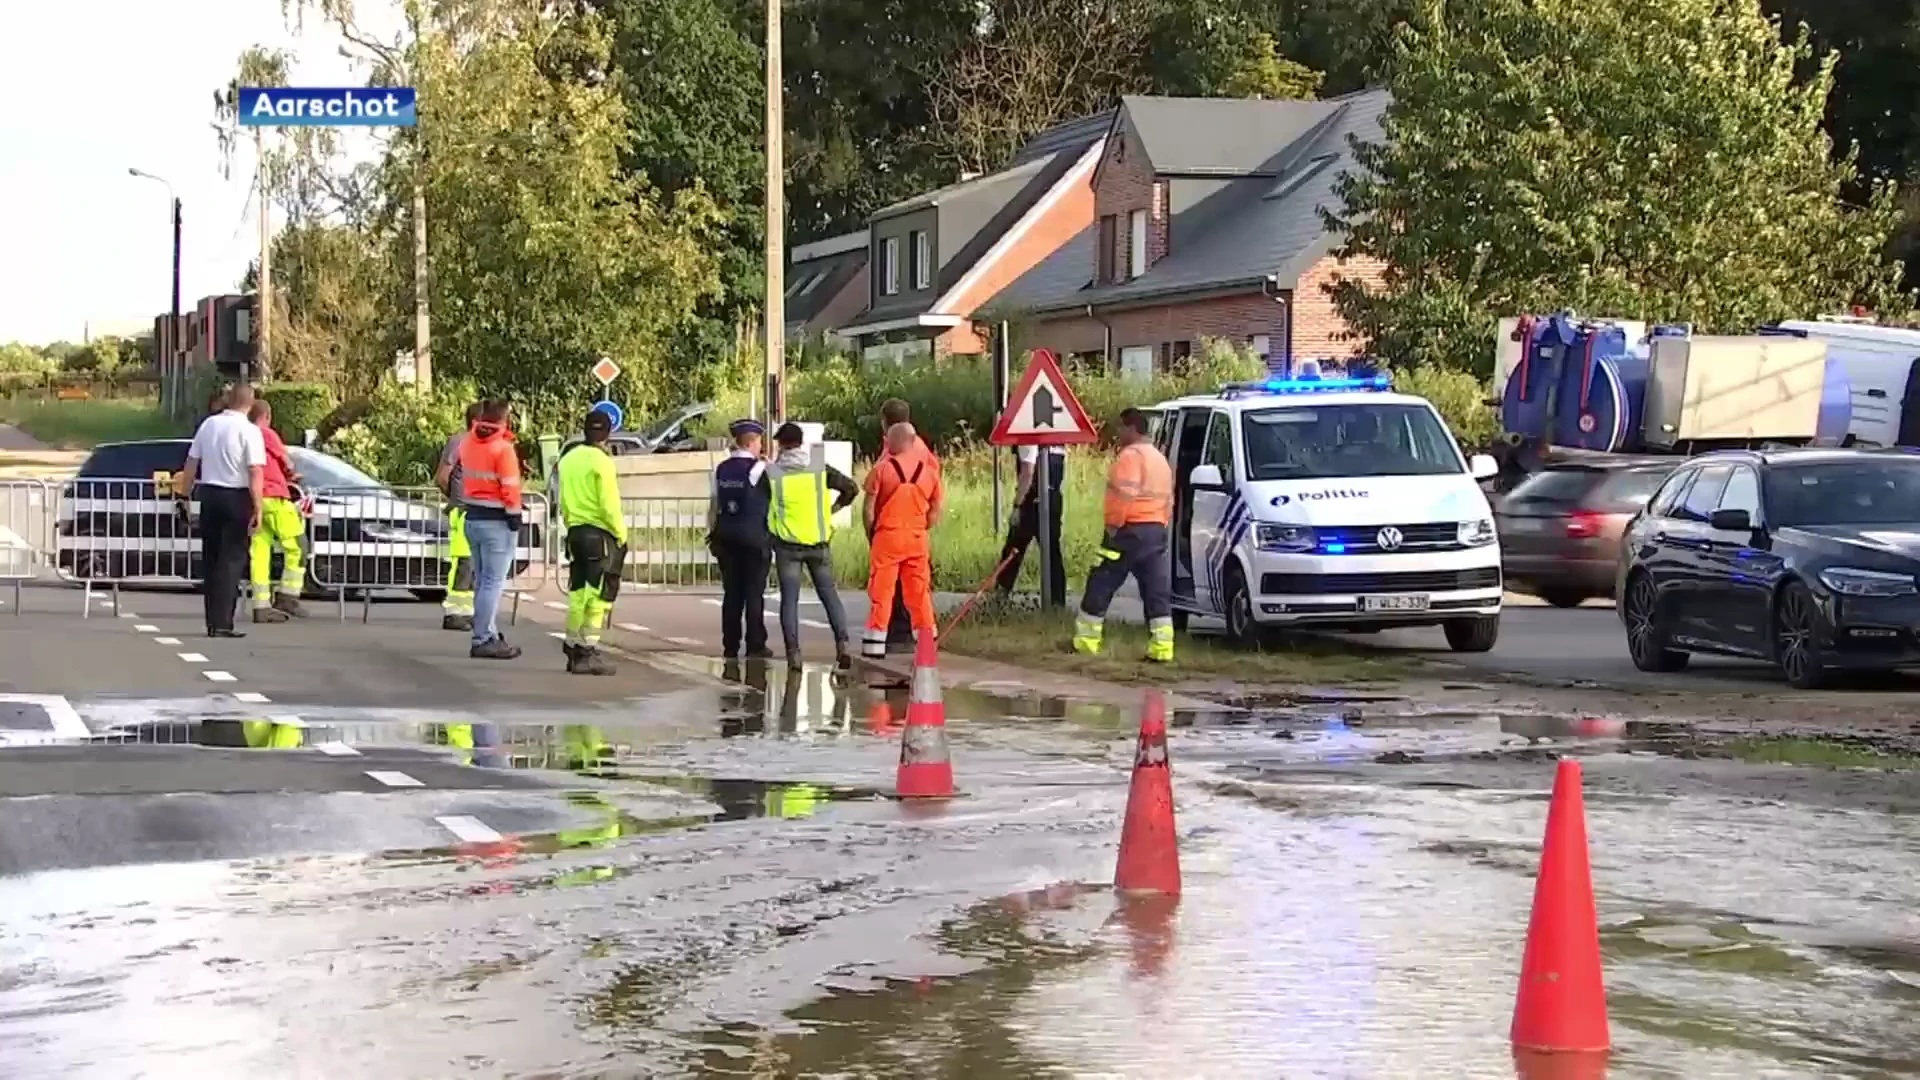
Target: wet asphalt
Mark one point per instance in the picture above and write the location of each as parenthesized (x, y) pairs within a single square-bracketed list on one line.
[(692, 869)]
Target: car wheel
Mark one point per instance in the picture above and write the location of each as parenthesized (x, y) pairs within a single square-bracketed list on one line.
[(1796, 639), (1476, 634), (1180, 620), (1241, 627), (1564, 597), (431, 596), (1646, 631)]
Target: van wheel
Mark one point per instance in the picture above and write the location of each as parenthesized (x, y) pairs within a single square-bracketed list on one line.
[(1241, 628), (1475, 634)]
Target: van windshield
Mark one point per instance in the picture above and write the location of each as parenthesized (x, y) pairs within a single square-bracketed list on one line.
[(1359, 439)]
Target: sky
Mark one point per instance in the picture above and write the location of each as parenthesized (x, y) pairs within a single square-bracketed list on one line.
[(130, 84)]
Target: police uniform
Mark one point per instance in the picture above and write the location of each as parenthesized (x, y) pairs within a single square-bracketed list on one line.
[(742, 546), (596, 545), (1139, 505), (1049, 468)]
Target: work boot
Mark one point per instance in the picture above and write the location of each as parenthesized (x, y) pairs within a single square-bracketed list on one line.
[(269, 615), (462, 623), (1160, 640), (572, 652), (497, 649), (591, 661), (290, 604), (1088, 633), (760, 653), (842, 659)]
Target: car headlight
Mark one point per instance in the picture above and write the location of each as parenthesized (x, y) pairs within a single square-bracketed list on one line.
[(1851, 581), (1477, 533), (1284, 537)]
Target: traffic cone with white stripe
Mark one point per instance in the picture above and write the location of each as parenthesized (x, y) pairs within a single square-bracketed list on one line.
[(926, 769), (1149, 863)]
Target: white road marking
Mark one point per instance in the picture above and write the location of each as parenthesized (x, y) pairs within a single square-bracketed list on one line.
[(285, 720), (396, 779), (816, 623), (128, 614), (103, 602), (558, 634), (251, 697), (66, 723), (691, 642), (337, 749), (635, 628), (710, 600), (166, 641), (556, 605), (219, 676), (147, 628), (192, 657), (470, 830)]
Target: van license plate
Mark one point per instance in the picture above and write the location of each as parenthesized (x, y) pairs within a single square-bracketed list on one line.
[(1395, 603)]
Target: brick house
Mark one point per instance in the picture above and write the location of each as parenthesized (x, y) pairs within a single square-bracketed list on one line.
[(932, 261), (826, 285), (1205, 223)]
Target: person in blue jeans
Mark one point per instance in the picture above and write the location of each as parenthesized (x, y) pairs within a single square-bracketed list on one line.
[(490, 493)]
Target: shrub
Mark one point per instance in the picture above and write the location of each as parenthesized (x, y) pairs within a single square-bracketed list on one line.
[(400, 435), (297, 407), (1460, 397)]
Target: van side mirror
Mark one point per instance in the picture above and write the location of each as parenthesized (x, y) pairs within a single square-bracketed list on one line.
[(1731, 521), (1206, 478), (1483, 467)]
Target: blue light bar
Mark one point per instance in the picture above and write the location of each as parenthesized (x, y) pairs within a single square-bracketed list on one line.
[(1322, 386)]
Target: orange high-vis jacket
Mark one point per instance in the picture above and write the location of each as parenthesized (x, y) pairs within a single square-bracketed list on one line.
[(1139, 487), (489, 472)]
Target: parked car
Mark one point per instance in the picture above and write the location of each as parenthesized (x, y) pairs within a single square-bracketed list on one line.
[(1807, 559), (115, 523), (1560, 528), (668, 435)]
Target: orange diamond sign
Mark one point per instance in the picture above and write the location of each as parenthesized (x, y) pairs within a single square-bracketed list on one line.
[(606, 371)]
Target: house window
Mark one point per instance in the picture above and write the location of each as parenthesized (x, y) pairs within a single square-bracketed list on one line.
[(890, 266), (1109, 249), (1137, 243), (922, 260), (813, 283), (1260, 344)]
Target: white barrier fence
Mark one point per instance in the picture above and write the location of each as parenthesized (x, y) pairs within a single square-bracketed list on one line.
[(27, 509), (365, 540)]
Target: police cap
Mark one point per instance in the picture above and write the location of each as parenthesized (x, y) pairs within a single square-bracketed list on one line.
[(746, 427)]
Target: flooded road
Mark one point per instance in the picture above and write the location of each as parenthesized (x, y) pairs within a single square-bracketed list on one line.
[(713, 883)]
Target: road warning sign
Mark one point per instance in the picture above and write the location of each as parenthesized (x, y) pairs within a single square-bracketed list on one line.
[(1042, 410)]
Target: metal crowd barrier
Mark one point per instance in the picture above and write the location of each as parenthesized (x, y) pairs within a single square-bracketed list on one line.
[(27, 509), (666, 543), (366, 540), (110, 532)]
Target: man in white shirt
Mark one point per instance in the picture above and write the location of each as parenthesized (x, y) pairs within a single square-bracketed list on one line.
[(227, 461), (1024, 526)]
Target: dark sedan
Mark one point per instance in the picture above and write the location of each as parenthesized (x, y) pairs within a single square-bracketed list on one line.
[(1560, 528), (1808, 559)]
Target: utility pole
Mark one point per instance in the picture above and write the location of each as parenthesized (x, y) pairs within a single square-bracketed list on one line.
[(170, 362), (263, 301), (422, 323), (776, 306)]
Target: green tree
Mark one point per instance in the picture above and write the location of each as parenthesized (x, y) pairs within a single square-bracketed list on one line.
[(1654, 159)]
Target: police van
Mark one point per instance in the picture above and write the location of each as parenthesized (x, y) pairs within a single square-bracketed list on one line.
[(1330, 503)]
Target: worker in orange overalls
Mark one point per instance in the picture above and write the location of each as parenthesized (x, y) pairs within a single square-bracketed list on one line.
[(1139, 506), (904, 495)]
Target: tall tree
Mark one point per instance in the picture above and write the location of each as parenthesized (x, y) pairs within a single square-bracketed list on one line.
[(1654, 159)]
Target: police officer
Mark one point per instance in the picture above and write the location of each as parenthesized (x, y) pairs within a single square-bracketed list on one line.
[(1139, 505), (737, 535), (596, 543), (1025, 526)]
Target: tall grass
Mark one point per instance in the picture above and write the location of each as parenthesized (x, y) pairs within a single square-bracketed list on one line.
[(78, 425)]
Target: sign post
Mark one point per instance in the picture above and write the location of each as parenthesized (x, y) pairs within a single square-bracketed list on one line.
[(606, 371), (1043, 412)]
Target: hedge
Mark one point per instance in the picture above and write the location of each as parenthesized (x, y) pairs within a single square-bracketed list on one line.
[(297, 407)]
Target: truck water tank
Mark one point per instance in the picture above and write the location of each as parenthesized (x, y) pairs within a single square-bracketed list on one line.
[(1577, 385)]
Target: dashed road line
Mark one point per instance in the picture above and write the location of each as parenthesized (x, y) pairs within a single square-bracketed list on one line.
[(395, 779), (557, 634), (192, 657), (125, 614), (147, 628), (166, 641), (469, 830), (337, 749), (710, 600), (556, 605), (251, 697), (816, 623), (687, 641), (635, 628), (285, 720), (219, 676)]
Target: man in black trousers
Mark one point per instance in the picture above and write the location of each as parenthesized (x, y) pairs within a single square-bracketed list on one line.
[(226, 471), (737, 535)]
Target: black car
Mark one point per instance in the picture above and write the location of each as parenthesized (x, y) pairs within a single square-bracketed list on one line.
[(1808, 559)]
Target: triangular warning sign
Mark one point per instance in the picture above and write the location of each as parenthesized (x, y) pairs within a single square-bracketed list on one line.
[(1042, 410)]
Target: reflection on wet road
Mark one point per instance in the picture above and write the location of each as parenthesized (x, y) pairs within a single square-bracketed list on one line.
[(718, 885)]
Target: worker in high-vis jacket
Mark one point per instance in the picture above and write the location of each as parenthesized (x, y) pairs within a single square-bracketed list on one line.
[(456, 611), (490, 495), (800, 523), (596, 543), (1139, 506), (281, 526), (904, 497)]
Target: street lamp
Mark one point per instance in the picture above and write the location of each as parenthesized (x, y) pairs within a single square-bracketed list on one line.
[(169, 350)]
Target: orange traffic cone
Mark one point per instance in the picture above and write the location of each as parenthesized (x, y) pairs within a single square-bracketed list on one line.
[(1562, 1004), (926, 770), (1149, 851), (1534, 1065)]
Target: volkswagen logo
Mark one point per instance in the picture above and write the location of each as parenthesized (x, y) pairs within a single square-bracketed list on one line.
[(1390, 539)]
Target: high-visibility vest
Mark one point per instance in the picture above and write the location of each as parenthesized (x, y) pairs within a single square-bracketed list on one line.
[(797, 511), (1139, 487), (489, 475)]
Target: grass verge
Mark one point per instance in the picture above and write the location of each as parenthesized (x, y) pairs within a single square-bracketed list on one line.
[(1820, 754), (1044, 640), (79, 425)]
